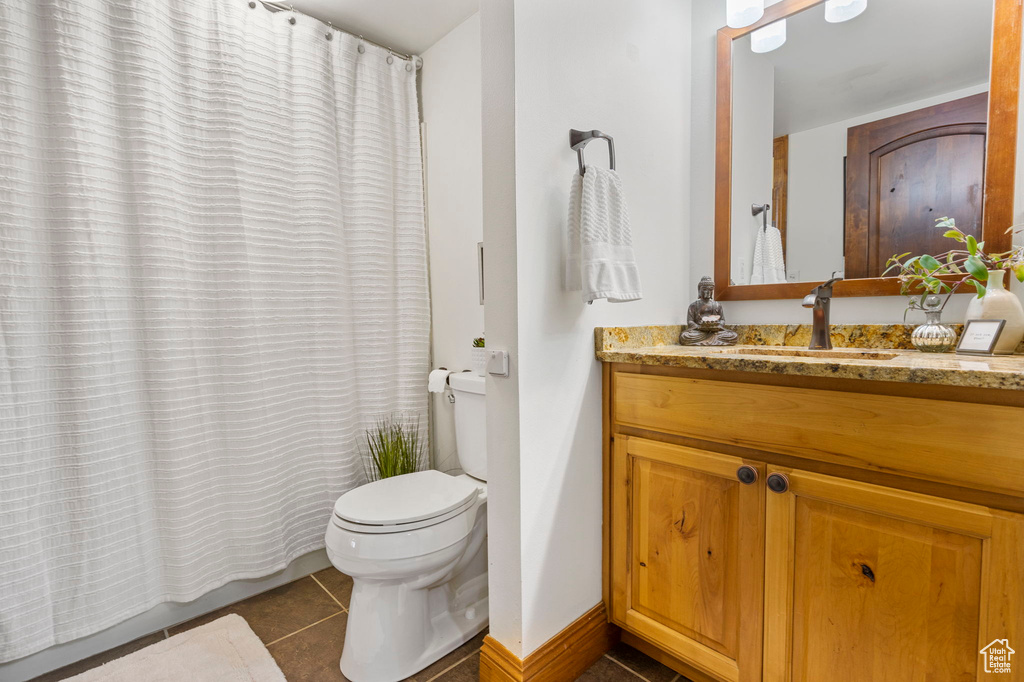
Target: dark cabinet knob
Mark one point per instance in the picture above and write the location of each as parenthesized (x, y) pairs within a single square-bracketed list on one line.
[(778, 483), (746, 474)]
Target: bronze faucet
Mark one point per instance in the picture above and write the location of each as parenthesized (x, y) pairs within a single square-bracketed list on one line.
[(820, 300)]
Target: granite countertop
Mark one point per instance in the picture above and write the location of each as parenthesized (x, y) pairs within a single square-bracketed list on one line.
[(867, 352)]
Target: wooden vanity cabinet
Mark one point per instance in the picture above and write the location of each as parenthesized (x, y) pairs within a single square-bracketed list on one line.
[(688, 553), (864, 582), (735, 563)]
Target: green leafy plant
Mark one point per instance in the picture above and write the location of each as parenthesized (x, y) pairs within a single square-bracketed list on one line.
[(478, 342), (920, 276), (393, 448)]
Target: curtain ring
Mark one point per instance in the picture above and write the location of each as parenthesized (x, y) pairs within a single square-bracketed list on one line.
[(362, 48), (291, 19), (252, 4), (391, 57), (408, 67), (330, 31)]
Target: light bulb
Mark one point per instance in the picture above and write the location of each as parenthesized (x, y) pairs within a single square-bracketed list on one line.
[(769, 38), (843, 10), (742, 13)]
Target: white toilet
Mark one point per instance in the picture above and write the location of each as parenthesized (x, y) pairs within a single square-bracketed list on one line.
[(416, 548)]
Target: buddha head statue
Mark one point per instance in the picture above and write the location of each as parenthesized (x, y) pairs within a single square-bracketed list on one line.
[(706, 288)]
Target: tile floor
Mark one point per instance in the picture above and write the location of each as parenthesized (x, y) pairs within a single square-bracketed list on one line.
[(303, 626)]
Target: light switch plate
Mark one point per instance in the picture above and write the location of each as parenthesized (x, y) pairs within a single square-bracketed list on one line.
[(497, 363)]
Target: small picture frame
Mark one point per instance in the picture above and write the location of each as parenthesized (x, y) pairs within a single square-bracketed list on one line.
[(980, 337)]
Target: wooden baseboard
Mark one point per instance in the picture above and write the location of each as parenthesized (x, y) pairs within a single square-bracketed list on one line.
[(498, 664), (563, 657)]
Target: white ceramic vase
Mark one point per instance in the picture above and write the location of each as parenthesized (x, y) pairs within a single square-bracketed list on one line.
[(1000, 304), (479, 360)]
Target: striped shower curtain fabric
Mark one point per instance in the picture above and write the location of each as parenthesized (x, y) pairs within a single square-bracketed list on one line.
[(212, 279)]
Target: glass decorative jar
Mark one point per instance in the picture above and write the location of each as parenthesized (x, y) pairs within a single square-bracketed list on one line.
[(933, 336)]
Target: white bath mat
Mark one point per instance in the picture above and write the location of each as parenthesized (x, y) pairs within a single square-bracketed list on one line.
[(226, 650)]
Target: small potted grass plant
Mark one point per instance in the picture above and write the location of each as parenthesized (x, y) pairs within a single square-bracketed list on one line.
[(393, 448)]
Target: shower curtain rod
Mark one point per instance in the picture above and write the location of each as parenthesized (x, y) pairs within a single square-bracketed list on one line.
[(279, 7)]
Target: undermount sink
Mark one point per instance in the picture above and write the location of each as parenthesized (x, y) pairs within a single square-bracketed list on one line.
[(836, 353)]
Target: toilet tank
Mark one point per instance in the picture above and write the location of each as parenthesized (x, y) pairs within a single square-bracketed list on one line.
[(470, 423)]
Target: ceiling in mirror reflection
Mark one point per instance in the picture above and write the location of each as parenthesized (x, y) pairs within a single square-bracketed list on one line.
[(897, 51)]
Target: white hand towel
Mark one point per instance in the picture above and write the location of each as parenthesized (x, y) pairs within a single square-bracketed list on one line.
[(573, 250), (600, 259), (769, 261)]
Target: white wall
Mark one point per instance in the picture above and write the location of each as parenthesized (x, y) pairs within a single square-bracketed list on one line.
[(623, 68), (752, 164), (708, 17), (501, 320), (450, 91), (814, 227)]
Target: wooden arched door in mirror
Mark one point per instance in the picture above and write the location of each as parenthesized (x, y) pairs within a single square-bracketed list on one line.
[(904, 172)]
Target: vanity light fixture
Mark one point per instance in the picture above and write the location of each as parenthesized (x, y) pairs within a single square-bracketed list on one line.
[(843, 10), (743, 13), (769, 38)]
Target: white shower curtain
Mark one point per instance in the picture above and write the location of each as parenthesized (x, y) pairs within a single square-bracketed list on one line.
[(212, 278)]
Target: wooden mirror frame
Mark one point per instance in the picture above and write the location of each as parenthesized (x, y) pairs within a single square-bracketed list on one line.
[(1000, 156)]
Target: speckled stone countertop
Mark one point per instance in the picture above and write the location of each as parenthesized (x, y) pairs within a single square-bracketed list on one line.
[(867, 352)]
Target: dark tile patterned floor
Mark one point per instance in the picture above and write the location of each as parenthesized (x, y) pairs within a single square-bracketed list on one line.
[(303, 624)]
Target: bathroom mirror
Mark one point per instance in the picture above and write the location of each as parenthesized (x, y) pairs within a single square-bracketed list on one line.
[(840, 143)]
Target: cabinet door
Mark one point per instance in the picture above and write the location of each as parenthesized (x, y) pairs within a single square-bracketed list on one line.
[(688, 554), (864, 582)]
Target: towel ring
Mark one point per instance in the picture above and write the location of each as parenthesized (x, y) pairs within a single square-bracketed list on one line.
[(761, 210), (578, 139)]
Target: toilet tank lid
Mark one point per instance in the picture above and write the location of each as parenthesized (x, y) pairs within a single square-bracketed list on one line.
[(470, 382), (404, 499)]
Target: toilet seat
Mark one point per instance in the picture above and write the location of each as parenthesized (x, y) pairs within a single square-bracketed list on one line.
[(401, 527), (403, 503), (394, 545)]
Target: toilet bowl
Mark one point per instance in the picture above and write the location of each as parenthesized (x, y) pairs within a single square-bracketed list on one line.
[(416, 549)]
